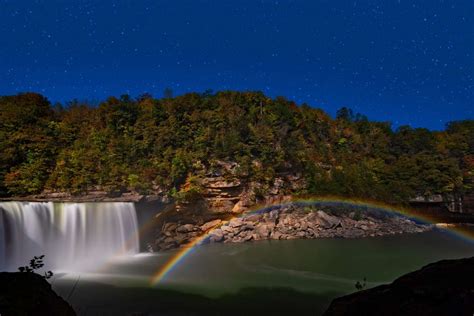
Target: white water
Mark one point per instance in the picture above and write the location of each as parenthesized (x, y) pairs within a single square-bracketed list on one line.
[(72, 236)]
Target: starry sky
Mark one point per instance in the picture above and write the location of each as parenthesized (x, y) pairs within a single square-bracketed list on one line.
[(408, 62)]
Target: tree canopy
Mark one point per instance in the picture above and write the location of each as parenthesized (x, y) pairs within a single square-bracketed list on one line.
[(146, 144)]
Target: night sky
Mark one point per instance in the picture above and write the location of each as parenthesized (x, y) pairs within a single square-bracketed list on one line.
[(408, 62)]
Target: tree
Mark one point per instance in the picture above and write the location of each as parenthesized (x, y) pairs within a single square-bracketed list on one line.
[(345, 114), (167, 93)]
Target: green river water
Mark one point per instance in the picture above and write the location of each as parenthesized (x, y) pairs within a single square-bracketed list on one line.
[(254, 273)]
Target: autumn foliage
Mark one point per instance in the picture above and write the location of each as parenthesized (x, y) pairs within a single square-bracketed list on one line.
[(147, 144)]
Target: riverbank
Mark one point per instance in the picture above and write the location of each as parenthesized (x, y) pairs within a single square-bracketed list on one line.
[(91, 196), (440, 288), (289, 222), (216, 205)]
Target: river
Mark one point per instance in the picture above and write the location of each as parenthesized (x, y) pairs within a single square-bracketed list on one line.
[(81, 242), (323, 268)]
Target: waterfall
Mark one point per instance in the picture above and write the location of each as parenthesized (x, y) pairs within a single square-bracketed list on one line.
[(72, 236)]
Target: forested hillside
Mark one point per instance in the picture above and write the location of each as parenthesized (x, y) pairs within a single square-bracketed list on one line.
[(151, 145)]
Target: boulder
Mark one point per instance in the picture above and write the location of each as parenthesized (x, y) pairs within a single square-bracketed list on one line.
[(248, 226), (182, 238), (275, 235), (168, 227), (262, 231), (237, 239), (169, 240), (235, 222), (239, 207), (328, 221), (210, 225), (247, 237), (227, 229), (252, 218), (216, 235), (185, 228), (301, 234)]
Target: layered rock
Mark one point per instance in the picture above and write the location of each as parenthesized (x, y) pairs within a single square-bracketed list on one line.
[(289, 222), (222, 194), (224, 190)]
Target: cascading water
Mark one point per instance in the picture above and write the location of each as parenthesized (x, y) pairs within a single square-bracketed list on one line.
[(72, 236)]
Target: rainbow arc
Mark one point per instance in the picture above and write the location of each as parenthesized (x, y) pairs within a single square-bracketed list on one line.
[(183, 252)]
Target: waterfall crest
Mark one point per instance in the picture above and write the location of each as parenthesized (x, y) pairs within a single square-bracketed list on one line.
[(72, 236)]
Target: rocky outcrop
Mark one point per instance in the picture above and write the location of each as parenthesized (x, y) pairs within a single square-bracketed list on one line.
[(30, 294), (222, 194), (289, 222), (225, 190), (442, 288)]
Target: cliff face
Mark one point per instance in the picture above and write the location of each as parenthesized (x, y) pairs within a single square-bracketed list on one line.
[(442, 288), (30, 294), (224, 191)]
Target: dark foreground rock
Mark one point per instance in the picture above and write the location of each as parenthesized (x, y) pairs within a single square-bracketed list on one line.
[(30, 294), (289, 222), (442, 288)]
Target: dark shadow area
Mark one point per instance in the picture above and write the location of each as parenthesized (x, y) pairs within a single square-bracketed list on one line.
[(30, 294), (442, 288), (142, 301)]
